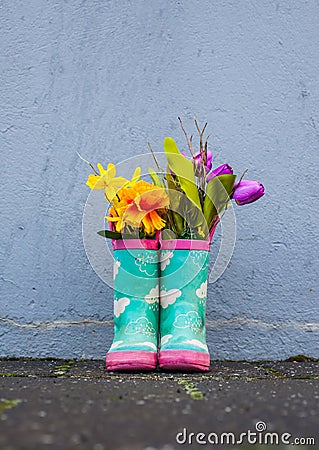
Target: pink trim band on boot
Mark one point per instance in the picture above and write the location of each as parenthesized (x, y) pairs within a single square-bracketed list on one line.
[(131, 360), (184, 360), (122, 244), (184, 244), (189, 244)]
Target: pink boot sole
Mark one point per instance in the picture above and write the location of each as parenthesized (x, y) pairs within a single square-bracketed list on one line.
[(131, 360), (184, 360)]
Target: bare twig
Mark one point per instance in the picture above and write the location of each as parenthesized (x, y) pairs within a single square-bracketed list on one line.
[(203, 154), (203, 151), (197, 126), (93, 168), (193, 154), (242, 176), (200, 132), (201, 144), (204, 128), (206, 143), (156, 162), (184, 131), (189, 144), (88, 162)]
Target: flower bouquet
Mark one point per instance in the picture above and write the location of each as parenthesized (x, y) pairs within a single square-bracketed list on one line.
[(161, 232)]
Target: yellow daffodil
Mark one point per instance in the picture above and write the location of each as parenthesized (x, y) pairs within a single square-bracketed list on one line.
[(106, 180), (135, 177)]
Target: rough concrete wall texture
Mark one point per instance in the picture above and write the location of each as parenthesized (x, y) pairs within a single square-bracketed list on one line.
[(102, 77)]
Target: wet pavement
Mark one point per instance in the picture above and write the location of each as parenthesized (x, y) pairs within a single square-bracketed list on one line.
[(55, 404)]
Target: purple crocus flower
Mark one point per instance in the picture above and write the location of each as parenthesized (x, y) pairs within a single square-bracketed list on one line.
[(209, 160), (247, 191), (221, 170)]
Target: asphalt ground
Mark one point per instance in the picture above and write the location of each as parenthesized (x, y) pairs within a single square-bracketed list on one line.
[(58, 404)]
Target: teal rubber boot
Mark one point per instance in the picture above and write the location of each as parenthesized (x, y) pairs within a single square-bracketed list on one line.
[(183, 292), (136, 307)]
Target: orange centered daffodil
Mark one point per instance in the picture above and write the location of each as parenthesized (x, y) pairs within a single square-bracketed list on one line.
[(137, 206)]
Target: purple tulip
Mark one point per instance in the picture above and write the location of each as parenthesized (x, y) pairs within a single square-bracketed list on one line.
[(198, 160), (247, 191), (221, 170), (209, 159)]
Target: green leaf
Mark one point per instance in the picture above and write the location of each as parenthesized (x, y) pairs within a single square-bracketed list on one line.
[(184, 170), (168, 234), (174, 198), (183, 210), (193, 216), (110, 234), (171, 182), (155, 178), (218, 191)]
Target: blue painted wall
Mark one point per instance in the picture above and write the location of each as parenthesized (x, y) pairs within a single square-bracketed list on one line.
[(100, 77)]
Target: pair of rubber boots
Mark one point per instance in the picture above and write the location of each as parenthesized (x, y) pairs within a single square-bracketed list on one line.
[(159, 305)]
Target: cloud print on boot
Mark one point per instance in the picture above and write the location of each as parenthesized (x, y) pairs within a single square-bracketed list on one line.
[(169, 297), (140, 326), (153, 295), (146, 344), (199, 258), (120, 305), (116, 344), (201, 292), (165, 259), (147, 263), (117, 265), (166, 338), (196, 343), (190, 320)]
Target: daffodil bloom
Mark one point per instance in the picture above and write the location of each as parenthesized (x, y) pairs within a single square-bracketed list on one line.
[(137, 207), (106, 180), (135, 177)]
